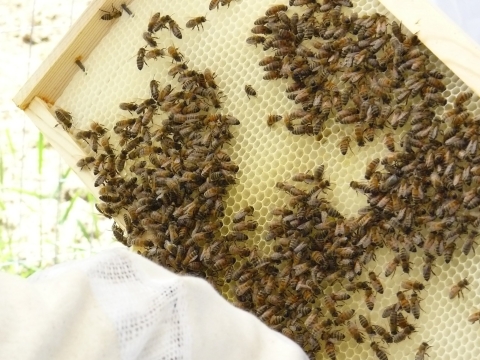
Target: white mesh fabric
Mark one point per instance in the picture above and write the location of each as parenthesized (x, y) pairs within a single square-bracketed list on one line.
[(149, 315), (118, 305)]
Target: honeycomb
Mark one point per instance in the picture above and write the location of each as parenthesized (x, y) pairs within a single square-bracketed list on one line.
[(269, 155)]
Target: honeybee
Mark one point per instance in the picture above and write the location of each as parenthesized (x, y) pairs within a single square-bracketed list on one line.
[(114, 14), (210, 78), (389, 142), (240, 216), (128, 107), (245, 226), (106, 146), (164, 93), (474, 317), (318, 172), (272, 119), (250, 91), (462, 98), (101, 178), (329, 346), (330, 305), (468, 244), (343, 317), (106, 210), (422, 351), (344, 144), (392, 265), (261, 29), (339, 296), (403, 302), (366, 325), (405, 260), (84, 134), (369, 298), (381, 355), (153, 22), (402, 335), (64, 118), (392, 321), (118, 233), (175, 54), (141, 58), (85, 162), (355, 332), (275, 9), (415, 304), (227, 2), (457, 289), (371, 167), (154, 54), (412, 285), (161, 23), (97, 128), (147, 36), (196, 22), (381, 331), (175, 29), (376, 284), (98, 162), (255, 40), (272, 75), (214, 4)]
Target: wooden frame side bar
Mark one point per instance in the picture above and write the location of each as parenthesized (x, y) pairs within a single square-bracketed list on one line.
[(54, 74)]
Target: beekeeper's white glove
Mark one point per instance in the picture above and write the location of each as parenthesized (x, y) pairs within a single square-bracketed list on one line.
[(118, 305)]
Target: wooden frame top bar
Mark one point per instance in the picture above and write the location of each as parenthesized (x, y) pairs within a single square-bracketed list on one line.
[(56, 72)]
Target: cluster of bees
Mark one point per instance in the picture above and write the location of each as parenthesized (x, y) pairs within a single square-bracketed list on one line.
[(314, 248), (171, 199), (423, 195), (363, 72), (355, 69), (157, 23)]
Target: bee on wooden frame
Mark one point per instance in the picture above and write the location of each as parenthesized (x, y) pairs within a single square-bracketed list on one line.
[(64, 118), (85, 162), (127, 10), (114, 14), (80, 64)]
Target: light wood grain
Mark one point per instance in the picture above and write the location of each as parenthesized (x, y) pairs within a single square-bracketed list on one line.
[(40, 113), (56, 72)]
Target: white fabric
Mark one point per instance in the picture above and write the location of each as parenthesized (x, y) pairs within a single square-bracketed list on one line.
[(118, 305)]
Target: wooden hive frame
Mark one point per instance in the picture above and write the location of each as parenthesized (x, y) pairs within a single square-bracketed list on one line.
[(48, 82), (444, 38)]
